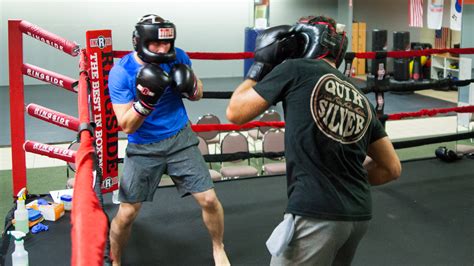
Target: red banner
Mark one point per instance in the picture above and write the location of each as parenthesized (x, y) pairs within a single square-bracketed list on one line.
[(100, 56)]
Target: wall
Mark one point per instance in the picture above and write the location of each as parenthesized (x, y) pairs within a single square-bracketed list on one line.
[(201, 26), (393, 16), (388, 15), (467, 38), (288, 12), (204, 26)]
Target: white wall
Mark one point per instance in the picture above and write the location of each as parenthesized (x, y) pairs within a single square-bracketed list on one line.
[(288, 12), (207, 26), (202, 26)]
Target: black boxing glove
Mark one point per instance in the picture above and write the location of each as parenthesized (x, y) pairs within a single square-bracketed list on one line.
[(312, 35), (273, 46), (184, 81), (321, 40), (150, 84)]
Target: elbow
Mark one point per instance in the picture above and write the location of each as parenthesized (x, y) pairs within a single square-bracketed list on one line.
[(233, 117), (127, 129), (395, 170)]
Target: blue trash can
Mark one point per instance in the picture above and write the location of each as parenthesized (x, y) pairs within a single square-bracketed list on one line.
[(249, 46)]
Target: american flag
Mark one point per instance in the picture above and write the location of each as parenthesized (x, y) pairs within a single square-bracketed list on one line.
[(442, 38), (415, 13)]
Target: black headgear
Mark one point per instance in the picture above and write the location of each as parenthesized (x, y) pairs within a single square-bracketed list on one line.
[(154, 28), (322, 39)]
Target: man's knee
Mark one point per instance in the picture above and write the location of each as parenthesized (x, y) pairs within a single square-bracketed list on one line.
[(208, 200), (127, 213)]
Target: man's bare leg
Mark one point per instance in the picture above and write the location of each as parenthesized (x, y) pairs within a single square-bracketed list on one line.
[(213, 216), (120, 229)]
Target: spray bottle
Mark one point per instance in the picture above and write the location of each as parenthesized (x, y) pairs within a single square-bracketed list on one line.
[(21, 213), (20, 255)]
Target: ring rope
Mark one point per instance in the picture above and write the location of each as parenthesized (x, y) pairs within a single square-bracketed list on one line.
[(89, 231), (281, 124), (366, 55), (49, 38)]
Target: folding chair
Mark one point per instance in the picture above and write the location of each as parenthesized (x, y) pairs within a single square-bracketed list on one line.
[(232, 143), (210, 137), (274, 141), (215, 176), (257, 133)]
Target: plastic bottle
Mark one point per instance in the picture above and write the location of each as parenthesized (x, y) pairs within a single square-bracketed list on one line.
[(20, 255), (21, 214), (67, 201)]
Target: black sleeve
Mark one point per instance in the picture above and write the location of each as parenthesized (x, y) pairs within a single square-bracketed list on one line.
[(378, 131), (274, 86)]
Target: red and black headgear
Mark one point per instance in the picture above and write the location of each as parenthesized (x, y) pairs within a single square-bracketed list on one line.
[(321, 38)]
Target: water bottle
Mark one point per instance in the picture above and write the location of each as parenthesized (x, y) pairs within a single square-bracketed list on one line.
[(21, 217), (20, 255)]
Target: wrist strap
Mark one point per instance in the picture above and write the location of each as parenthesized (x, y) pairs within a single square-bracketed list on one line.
[(141, 109), (258, 71)]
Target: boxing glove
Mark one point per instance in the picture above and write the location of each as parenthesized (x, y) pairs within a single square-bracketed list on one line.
[(321, 40), (273, 46), (184, 81), (446, 155), (151, 82)]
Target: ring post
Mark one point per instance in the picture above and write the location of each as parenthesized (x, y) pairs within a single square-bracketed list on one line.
[(17, 95)]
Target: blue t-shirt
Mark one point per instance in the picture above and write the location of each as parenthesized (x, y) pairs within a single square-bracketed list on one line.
[(169, 115)]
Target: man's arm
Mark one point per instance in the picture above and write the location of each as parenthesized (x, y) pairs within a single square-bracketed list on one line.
[(129, 120), (245, 103), (384, 165)]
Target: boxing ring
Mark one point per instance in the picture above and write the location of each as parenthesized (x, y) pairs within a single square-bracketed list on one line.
[(419, 219), (422, 219)]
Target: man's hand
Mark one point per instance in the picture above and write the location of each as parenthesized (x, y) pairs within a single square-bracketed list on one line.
[(151, 82), (184, 81)]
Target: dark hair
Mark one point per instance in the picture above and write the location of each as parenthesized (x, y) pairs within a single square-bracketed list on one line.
[(316, 19)]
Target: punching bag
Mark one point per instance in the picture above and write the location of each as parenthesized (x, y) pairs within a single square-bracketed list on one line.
[(379, 44), (401, 42)]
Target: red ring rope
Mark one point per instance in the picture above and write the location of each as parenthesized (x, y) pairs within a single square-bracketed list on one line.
[(253, 124), (367, 55), (53, 117), (49, 38)]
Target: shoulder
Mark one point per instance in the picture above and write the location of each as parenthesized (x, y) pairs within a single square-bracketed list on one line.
[(117, 69), (181, 54), (125, 65), (298, 63)]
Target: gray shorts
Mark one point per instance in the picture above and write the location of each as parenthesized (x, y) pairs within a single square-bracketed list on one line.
[(177, 156), (322, 242)]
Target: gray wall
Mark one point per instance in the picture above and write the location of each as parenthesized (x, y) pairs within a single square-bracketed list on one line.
[(387, 15), (467, 36), (202, 26)]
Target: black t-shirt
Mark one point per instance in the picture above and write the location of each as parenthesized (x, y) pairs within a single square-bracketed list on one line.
[(329, 125)]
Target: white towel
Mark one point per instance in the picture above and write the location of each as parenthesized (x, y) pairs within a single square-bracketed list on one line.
[(281, 235)]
